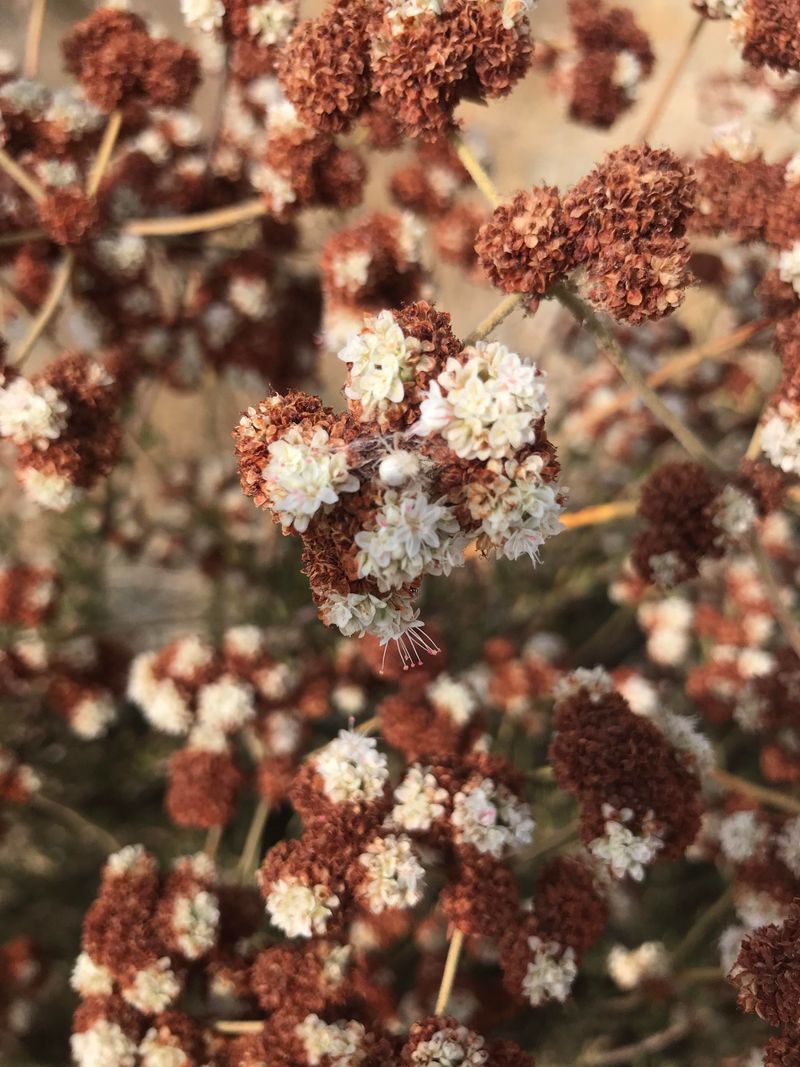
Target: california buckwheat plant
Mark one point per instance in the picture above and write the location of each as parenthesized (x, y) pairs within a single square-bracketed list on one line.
[(399, 626)]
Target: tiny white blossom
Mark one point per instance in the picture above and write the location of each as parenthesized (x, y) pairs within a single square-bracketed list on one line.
[(381, 359), (205, 15), (91, 717), (407, 532), (91, 979), (625, 853), (629, 968), (352, 769), (338, 1044), (551, 972), (788, 845), (155, 1051), (303, 476), (250, 295), (742, 836), (102, 1045), (351, 270), (394, 876), (419, 800), (195, 920), (153, 988), (454, 698), (487, 406), (780, 438), (491, 819), (300, 910), (270, 22), (31, 414), (453, 1046), (226, 704), (53, 492), (789, 266), (402, 13), (595, 681)]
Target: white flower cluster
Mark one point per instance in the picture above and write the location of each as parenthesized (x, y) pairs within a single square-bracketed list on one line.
[(395, 878), (668, 624), (789, 266), (153, 988), (160, 700), (90, 979), (356, 614), (411, 536), (205, 15), (419, 800), (550, 973), (300, 910), (382, 359), (102, 1044), (485, 407), (226, 704), (91, 717), (735, 514), (595, 681), (303, 476), (491, 819), (780, 438), (623, 852), (514, 11), (351, 270), (195, 920), (400, 13), (788, 845), (518, 511), (742, 836), (627, 73), (250, 295), (454, 698), (451, 1047), (157, 1050), (338, 1044), (29, 414), (270, 22), (352, 769), (629, 968)]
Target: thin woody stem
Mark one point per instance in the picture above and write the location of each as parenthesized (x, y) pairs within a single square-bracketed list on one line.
[(213, 838), (771, 797), (369, 726), (660, 103), (782, 615), (449, 973), (495, 317), (48, 309), (64, 814), (685, 361), (18, 237), (33, 38), (698, 932), (24, 180), (239, 1026), (635, 1053), (477, 172), (103, 158), (249, 858), (611, 349), (201, 222), (599, 513)]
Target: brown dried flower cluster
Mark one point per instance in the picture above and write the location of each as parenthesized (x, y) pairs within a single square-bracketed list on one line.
[(419, 61)]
